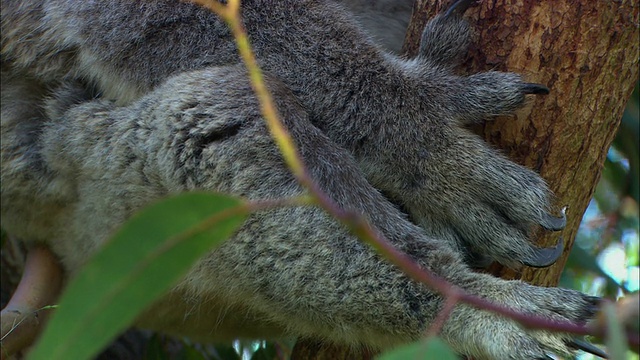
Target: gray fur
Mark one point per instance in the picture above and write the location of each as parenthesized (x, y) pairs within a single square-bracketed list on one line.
[(177, 113), (399, 118), (385, 20)]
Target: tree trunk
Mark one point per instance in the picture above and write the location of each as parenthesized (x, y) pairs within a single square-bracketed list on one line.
[(586, 52)]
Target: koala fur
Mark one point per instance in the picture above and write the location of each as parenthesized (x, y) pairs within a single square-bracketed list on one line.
[(175, 112)]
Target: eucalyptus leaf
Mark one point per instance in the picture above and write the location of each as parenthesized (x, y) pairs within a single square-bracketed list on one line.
[(146, 257), (430, 348)]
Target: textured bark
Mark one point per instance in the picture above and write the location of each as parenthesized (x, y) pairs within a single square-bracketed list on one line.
[(586, 52)]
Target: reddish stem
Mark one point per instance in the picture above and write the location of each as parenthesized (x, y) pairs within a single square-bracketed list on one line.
[(39, 286)]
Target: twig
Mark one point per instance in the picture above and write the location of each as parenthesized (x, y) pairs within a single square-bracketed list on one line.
[(39, 287)]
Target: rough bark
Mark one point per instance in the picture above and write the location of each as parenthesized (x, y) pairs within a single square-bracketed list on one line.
[(586, 52)]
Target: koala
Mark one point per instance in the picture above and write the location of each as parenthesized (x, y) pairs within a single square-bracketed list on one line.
[(108, 106), (385, 20)]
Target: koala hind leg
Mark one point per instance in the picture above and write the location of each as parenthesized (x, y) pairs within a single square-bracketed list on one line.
[(294, 268)]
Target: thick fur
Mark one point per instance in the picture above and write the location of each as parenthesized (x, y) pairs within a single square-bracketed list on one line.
[(385, 20), (177, 114), (399, 118)]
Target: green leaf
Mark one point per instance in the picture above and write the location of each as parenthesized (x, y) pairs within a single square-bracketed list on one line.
[(145, 258), (431, 348), (188, 352), (154, 350)]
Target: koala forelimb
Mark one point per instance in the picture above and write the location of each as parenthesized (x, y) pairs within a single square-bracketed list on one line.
[(355, 93), (177, 114)]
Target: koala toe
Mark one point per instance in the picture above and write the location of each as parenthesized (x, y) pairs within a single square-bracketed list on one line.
[(488, 207), (556, 304), (446, 37), (563, 344), (483, 96), (521, 195), (535, 89), (543, 257), (492, 205), (554, 223), (487, 232), (587, 347), (514, 191)]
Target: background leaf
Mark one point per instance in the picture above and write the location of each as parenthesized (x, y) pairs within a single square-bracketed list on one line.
[(616, 343), (430, 348)]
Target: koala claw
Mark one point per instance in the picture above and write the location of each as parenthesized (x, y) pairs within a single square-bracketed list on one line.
[(587, 347), (459, 7), (596, 302), (543, 257), (536, 89), (553, 223)]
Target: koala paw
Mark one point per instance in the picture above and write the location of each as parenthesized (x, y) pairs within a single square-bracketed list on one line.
[(486, 95), (461, 190), (444, 42), (473, 197), (503, 338)]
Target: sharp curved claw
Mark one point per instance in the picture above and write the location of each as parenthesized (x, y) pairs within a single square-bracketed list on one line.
[(543, 257), (595, 303), (459, 7), (553, 223), (536, 89), (587, 347)]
